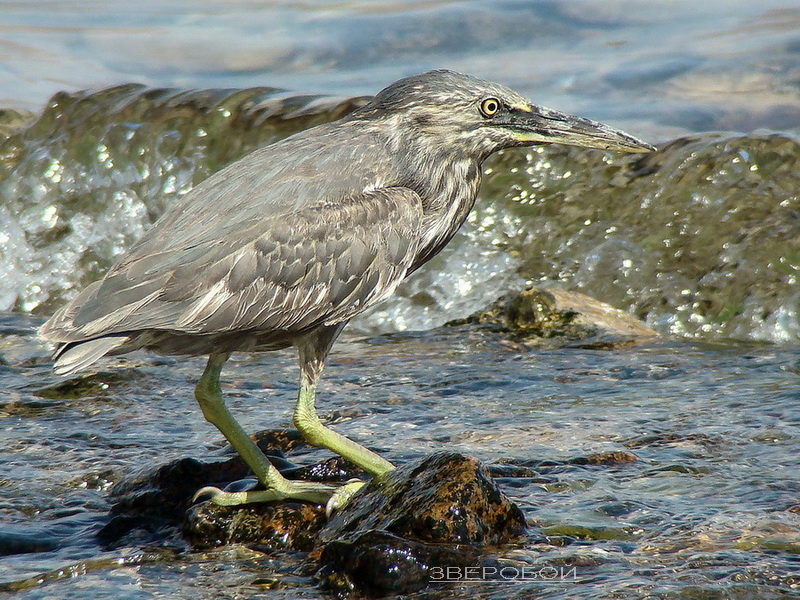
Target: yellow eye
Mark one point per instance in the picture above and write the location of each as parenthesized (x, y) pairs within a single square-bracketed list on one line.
[(489, 107)]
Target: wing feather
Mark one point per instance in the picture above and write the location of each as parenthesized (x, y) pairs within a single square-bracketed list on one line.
[(320, 264)]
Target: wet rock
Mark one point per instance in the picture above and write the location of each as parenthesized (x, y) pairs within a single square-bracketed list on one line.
[(436, 512), (444, 497), (88, 386), (156, 499), (26, 542), (540, 316), (669, 438), (663, 235), (271, 527), (377, 563), (12, 120), (441, 511), (110, 161), (605, 458)]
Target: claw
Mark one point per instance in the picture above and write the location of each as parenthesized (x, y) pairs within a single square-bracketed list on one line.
[(342, 496), (209, 490)]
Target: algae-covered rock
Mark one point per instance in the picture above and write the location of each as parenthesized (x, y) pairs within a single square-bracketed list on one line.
[(442, 498), (83, 180), (700, 239), (270, 526), (12, 120), (538, 316)]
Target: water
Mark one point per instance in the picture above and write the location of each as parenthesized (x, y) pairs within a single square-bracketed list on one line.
[(700, 240), (722, 64), (710, 504)]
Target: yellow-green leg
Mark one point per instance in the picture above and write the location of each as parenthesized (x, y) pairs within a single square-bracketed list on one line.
[(312, 350), (209, 396)]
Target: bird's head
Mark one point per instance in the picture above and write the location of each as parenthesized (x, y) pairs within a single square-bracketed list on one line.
[(461, 112)]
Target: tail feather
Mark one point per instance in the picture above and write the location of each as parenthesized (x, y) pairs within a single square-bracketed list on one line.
[(76, 356)]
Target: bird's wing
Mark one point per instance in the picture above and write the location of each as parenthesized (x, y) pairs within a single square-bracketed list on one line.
[(320, 264)]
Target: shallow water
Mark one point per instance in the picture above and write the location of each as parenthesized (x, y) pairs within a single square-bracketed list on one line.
[(700, 240), (709, 507)]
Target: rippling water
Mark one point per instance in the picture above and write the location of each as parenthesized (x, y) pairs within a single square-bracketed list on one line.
[(710, 507), (702, 240)]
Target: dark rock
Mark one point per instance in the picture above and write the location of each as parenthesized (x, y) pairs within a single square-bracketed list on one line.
[(271, 526), (166, 492), (539, 316), (442, 498), (605, 458), (334, 470), (377, 563), (26, 542), (95, 385), (435, 512)]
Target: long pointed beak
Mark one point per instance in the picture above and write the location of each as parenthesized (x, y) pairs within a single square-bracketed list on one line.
[(536, 124)]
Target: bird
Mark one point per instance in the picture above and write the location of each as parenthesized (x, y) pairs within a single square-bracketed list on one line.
[(289, 243)]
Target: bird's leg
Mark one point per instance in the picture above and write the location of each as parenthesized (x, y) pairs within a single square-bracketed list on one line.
[(312, 350), (209, 396)]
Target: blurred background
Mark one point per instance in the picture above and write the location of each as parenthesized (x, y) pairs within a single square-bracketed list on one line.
[(666, 66)]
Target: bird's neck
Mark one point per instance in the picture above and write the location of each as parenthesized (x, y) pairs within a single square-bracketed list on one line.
[(448, 186)]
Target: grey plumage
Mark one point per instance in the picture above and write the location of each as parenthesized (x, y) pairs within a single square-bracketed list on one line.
[(288, 244)]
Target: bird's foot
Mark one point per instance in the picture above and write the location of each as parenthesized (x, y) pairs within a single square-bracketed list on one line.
[(334, 498)]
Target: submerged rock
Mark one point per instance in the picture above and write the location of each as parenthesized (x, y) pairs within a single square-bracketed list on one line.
[(440, 511), (538, 316)]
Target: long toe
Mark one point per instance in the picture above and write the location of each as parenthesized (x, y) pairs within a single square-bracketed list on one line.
[(342, 496), (318, 493)]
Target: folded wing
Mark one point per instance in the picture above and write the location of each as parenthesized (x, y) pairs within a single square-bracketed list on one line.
[(319, 265)]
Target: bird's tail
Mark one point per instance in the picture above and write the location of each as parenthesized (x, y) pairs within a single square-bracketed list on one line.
[(76, 356)]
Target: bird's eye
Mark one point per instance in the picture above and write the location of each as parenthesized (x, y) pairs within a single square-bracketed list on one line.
[(489, 107)]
